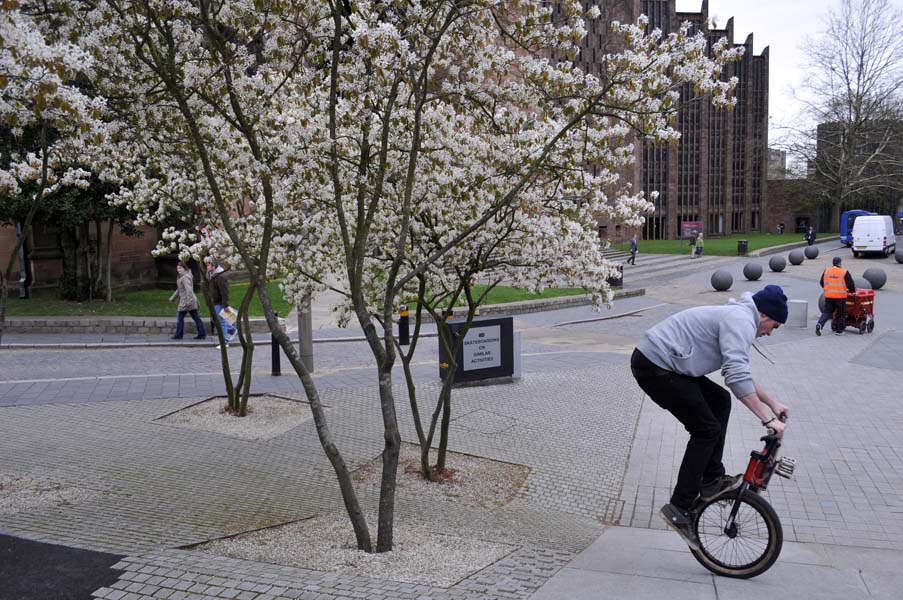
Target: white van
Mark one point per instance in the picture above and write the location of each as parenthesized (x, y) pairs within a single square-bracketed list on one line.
[(873, 234)]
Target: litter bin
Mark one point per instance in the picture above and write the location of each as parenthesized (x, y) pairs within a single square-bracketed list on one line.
[(742, 247), (616, 279)]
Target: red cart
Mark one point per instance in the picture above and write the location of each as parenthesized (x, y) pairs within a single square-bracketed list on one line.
[(859, 310)]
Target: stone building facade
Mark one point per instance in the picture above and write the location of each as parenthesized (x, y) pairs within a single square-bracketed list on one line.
[(716, 173)]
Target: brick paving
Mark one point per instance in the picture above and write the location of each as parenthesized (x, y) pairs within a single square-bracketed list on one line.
[(598, 451)]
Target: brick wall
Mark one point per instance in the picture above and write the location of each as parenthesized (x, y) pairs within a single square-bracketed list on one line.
[(132, 263)]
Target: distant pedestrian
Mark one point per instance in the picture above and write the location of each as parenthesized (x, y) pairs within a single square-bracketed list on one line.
[(700, 245), (633, 250), (693, 237), (780, 229), (188, 303), (810, 236), (219, 295)]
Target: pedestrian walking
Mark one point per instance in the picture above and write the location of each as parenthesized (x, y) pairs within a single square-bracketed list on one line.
[(188, 303), (670, 364), (700, 245), (810, 236), (633, 250), (219, 295), (837, 283), (693, 238)]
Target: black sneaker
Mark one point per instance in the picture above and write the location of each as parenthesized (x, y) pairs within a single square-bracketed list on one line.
[(818, 329), (680, 521), (722, 485)]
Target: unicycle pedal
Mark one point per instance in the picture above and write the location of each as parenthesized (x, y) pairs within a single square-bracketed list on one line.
[(785, 467)]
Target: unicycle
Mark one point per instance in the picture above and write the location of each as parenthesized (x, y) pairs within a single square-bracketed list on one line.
[(739, 532)]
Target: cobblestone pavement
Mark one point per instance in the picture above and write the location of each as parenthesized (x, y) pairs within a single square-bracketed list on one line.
[(597, 451)]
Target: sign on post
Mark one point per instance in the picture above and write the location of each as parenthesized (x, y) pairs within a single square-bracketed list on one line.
[(487, 351), (690, 228)]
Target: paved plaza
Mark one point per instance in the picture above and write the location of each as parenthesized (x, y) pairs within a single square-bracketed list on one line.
[(602, 458)]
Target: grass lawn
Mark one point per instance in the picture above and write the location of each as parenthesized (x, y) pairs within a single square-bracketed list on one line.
[(715, 246), (142, 303)]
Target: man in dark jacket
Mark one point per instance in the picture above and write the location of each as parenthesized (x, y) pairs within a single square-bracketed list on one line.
[(810, 236), (838, 284), (219, 295), (633, 250)]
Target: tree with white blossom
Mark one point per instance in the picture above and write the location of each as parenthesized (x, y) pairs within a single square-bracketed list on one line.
[(360, 144), (48, 120)]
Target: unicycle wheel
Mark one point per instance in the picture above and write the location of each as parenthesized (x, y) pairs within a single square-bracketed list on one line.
[(747, 550)]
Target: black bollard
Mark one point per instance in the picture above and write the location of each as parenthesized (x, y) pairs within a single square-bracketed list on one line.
[(404, 328), (274, 352)]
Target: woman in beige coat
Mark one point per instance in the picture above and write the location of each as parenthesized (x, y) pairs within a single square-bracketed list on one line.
[(188, 303)]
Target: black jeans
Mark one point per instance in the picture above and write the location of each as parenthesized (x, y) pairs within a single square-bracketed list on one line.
[(703, 408), (832, 304)]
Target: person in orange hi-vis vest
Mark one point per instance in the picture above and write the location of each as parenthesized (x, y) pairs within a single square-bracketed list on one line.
[(837, 283)]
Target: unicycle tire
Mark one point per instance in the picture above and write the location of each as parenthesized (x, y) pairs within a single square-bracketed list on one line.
[(755, 546)]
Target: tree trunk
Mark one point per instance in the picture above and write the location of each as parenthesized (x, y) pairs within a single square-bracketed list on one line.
[(108, 263), (343, 475), (224, 352), (392, 440), (84, 245), (243, 324), (98, 258)]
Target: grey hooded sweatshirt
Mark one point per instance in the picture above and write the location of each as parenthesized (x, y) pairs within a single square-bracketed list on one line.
[(700, 340)]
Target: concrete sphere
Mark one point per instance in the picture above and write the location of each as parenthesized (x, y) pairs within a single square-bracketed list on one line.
[(875, 276), (862, 283), (821, 303), (898, 255), (752, 271), (722, 280), (811, 252), (797, 257), (777, 263)]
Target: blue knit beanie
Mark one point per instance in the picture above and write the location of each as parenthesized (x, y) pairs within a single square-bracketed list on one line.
[(772, 302)]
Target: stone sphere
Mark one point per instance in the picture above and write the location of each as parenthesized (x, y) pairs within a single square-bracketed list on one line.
[(875, 276), (811, 252), (797, 257), (821, 303), (777, 263), (862, 283), (898, 255), (752, 271), (722, 280)]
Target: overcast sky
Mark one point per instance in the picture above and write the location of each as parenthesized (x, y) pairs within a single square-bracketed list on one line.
[(781, 25)]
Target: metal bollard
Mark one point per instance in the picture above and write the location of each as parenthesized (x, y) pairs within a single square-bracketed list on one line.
[(404, 327), (274, 352)]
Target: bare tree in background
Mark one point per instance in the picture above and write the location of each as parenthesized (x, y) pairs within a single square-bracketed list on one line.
[(854, 92)]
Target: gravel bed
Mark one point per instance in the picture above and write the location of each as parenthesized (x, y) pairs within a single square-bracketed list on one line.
[(268, 417), (477, 482), (421, 554), (21, 492), (327, 543)]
